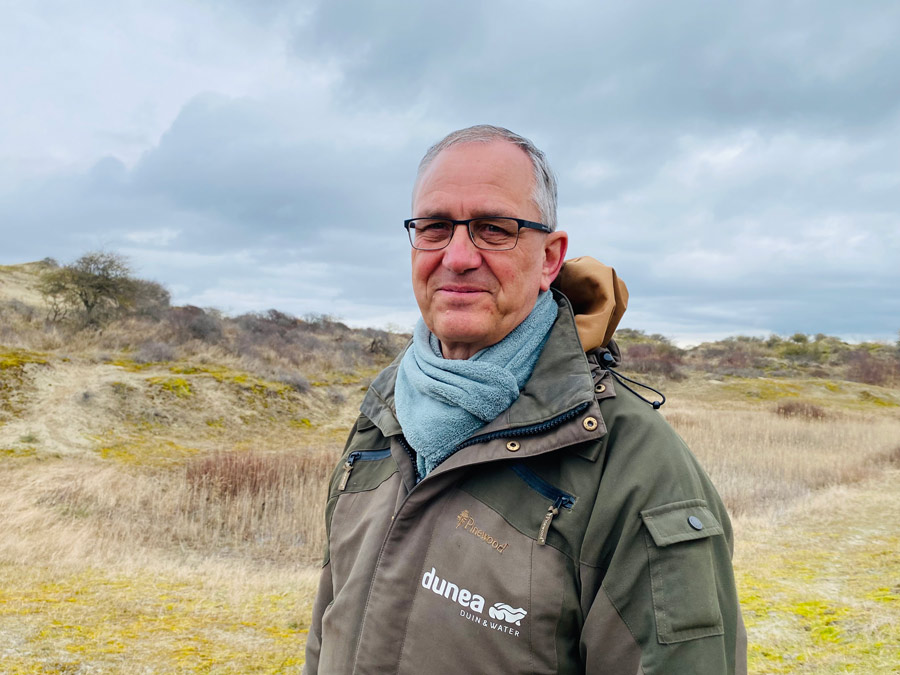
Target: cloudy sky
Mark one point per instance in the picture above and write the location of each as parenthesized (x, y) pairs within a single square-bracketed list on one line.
[(737, 163)]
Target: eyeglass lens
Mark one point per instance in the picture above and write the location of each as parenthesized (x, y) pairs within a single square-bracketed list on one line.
[(488, 233)]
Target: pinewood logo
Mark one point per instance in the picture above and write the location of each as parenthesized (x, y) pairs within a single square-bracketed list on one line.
[(465, 521)]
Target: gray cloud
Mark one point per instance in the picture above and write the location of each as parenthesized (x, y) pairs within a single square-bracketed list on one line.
[(736, 163)]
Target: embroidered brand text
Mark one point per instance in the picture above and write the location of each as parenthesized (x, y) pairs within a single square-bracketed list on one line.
[(466, 521)]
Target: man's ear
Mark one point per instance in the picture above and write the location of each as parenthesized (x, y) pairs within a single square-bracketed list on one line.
[(555, 246)]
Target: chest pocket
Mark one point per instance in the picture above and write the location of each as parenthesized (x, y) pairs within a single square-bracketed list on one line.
[(367, 476), (682, 574)]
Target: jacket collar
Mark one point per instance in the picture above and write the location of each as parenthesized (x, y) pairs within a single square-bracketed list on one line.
[(560, 382)]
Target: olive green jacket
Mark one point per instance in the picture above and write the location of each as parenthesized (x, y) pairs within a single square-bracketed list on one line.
[(576, 533)]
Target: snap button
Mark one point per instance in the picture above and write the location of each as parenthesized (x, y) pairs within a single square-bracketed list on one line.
[(600, 388), (589, 423), (512, 446), (694, 522)]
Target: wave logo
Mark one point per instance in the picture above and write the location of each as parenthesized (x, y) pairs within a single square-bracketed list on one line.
[(503, 612)]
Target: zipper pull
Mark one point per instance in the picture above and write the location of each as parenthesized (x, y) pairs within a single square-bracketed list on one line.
[(545, 526), (348, 467)]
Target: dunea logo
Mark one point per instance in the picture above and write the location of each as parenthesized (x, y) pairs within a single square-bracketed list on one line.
[(500, 611), (504, 612)]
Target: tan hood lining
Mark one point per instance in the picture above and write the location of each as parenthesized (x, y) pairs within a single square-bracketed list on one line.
[(598, 298)]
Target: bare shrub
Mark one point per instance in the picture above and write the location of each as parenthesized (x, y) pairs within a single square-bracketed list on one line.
[(800, 409), (231, 473), (270, 502), (864, 367), (96, 286), (194, 323), (655, 358), (154, 352), (741, 356), (149, 298), (293, 379)]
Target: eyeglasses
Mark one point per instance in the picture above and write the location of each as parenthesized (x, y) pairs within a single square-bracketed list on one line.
[(491, 233)]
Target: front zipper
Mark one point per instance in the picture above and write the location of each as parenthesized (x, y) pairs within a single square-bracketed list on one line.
[(532, 430), (558, 498), (412, 456), (358, 456)]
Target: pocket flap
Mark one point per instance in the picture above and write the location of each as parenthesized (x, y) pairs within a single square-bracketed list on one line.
[(680, 521)]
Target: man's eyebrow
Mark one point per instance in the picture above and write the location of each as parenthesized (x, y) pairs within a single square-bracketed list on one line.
[(483, 213)]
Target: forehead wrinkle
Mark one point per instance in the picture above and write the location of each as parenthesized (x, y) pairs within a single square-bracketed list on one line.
[(441, 204)]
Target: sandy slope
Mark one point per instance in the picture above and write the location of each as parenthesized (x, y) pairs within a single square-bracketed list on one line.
[(18, 282), (67, 404)]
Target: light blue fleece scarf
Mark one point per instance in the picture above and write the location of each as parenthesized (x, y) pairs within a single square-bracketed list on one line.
[(441, 402)]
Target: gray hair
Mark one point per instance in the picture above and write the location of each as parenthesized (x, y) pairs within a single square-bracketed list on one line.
[(544, 191)]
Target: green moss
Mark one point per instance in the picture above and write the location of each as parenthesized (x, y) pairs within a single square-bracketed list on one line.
[(17, 452), (821, 620), (17, 358), (763, 389), (884, 594), (176, 385), (216, 423), (144, 451), (92, 618), (131, 366), (301, 423), (869, 397), (186, 370)]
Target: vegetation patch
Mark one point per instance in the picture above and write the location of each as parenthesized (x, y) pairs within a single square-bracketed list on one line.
[(132, 366), (763, 389), (18, 452), (18, 358), (174, 385), (99, 621), (813, 588), (143, 450), (800, 409), (870, 398)]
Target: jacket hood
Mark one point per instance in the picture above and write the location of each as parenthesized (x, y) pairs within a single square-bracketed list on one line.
[(598, 297)]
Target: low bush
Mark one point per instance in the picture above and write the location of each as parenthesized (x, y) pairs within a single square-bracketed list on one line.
[(865, 367), (800, 409), (154, 352), (655, 358)]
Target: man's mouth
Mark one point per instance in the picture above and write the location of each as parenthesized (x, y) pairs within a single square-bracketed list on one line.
[(454, 288)]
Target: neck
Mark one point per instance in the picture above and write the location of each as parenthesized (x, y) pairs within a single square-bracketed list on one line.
[(458, 350)]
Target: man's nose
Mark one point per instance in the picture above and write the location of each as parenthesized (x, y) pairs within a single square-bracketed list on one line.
[(461, 254)]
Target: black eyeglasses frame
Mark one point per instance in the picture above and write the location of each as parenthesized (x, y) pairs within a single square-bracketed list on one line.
[(527, 224)]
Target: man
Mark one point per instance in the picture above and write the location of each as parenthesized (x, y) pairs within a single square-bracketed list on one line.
[(503, 505)]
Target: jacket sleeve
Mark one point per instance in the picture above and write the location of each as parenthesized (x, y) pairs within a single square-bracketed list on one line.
[(658, 586), (325, 593), (314, 637)]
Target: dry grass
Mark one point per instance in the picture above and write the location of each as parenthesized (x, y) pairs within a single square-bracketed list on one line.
[(760, 462), (113, 568), (210, 617)]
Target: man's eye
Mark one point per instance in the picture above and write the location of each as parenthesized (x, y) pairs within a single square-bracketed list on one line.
[(432, 230), (495, 230)]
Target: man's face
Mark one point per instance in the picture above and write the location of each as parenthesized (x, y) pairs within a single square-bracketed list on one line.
[(471, 298)]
